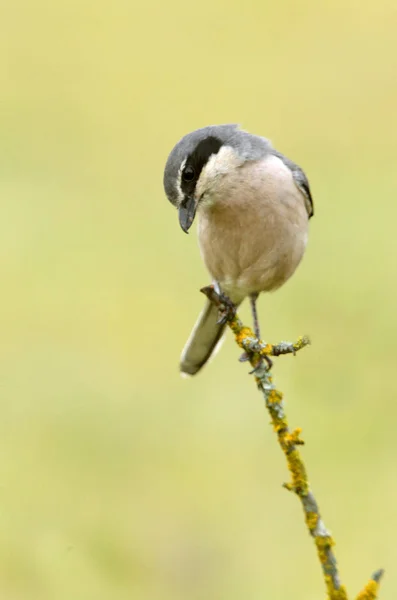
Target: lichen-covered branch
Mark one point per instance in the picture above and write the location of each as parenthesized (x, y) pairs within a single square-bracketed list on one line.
[(289, 442)]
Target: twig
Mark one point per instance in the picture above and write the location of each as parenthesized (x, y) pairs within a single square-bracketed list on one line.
[(289, 442)]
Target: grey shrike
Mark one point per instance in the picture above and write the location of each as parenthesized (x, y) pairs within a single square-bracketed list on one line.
[(253, 205)]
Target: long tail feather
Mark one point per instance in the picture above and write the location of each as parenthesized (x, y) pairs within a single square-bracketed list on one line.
[(203, 341)]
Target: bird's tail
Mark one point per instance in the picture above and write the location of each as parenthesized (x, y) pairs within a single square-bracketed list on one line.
[(203, 340)]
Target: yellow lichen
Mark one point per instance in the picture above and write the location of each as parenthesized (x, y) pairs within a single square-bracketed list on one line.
[(298, 472), (312, 520), (278, 426), (275, 396), (333, 593), (242, 335), (301, 342), (370, 591), (296, 435), (293, 438), (324, 542), (267, 350)]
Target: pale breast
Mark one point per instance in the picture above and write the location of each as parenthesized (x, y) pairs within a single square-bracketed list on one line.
[(253, 228)]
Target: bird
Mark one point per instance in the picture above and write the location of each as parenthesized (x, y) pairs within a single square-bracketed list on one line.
[(253, 206)]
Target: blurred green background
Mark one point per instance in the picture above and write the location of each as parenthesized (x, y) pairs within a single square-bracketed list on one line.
[(119, 479)]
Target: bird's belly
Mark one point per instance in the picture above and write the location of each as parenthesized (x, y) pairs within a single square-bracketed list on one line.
[(246, 254)]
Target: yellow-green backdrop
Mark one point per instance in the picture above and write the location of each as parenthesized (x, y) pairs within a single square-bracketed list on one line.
[(119, 479)]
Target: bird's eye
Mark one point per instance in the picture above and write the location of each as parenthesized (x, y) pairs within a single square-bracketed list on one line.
[(188, 173)]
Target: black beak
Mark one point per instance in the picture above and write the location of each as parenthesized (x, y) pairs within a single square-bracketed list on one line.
[(187, 212)]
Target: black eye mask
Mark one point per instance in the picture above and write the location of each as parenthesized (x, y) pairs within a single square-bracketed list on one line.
[(196, 161)]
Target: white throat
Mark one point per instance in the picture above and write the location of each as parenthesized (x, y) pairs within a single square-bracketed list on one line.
[(218, 165)]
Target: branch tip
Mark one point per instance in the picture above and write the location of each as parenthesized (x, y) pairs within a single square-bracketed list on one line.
[(370, 592), (377, 576)]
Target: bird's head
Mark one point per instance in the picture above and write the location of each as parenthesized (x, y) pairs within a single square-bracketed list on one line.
[(199, 160)]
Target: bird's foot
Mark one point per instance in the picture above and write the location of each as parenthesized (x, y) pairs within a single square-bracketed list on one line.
[(244, 357), (259, 365), (227, 309), (247, 356)]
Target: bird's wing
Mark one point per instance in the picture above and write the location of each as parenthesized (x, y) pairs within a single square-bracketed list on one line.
[(300, 179)]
